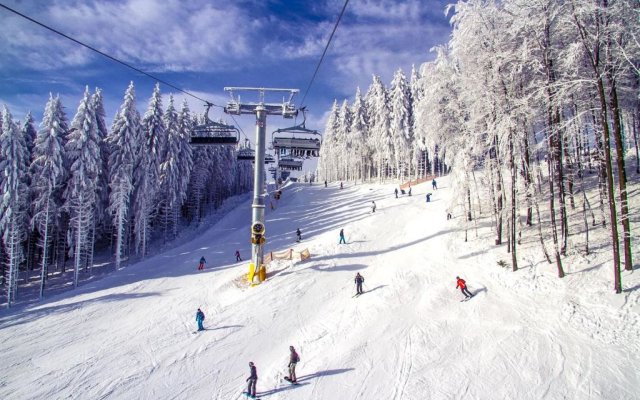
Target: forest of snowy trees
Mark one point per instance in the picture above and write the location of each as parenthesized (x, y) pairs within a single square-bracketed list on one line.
[(532, 102), (70, 189)]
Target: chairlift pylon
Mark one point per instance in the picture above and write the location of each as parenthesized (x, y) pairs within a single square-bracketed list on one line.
[(214, 133)]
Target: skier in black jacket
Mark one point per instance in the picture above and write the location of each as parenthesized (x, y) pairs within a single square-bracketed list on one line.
[(252, 380), (359, 280)]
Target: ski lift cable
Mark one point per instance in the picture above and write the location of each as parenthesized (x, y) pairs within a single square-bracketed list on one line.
[(106, 55), (324, 52)]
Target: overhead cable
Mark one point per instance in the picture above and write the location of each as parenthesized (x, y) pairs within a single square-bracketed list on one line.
[(106, 55), (324, 52)]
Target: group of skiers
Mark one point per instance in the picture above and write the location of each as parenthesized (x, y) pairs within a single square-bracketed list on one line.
[(252, 380), (203, 261)]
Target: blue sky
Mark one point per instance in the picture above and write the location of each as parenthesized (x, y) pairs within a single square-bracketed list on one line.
[(205, 45)]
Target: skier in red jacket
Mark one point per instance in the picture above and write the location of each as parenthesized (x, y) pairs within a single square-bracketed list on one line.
[(463, 287)]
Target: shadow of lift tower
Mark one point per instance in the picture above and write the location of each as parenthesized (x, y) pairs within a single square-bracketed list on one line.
[(260, 109)]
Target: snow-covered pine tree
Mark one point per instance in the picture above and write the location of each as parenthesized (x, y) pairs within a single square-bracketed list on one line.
[(47, 169), (169, 175), (125, 130), (102, 216), (327, 162), (344, 148), (83, 154), (13, 204), (185, 159), (146, 174), (400, 123), (29, 132), (379, 124), (359, 131), (417, 145)]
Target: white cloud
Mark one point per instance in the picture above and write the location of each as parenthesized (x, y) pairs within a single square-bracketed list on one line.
[(176, 35)]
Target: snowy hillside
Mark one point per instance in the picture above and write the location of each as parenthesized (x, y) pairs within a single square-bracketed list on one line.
[(525, 335)]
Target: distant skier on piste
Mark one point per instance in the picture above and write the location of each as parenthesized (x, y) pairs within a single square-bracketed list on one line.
[(463, 287), (396, 192), (200, 319), (202, 263), (299, 235), (238, 256), (373, 206), (252, 380), (359, 280), (434, 184), (342, 240), (294, 358)]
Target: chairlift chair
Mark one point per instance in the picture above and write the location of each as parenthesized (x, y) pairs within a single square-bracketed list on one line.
[(297, 141), (290, 164), (214, 133)]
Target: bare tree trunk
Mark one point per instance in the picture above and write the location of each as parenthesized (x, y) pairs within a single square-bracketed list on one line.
[(622, 174), (514, 174)]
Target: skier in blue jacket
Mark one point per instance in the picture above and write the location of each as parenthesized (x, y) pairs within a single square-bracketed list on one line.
[(200, 319)]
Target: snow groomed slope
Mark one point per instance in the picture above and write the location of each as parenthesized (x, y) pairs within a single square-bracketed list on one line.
[(524, 335)]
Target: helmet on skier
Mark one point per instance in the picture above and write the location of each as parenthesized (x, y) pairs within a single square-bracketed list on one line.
[(457, 277), (251, 363)]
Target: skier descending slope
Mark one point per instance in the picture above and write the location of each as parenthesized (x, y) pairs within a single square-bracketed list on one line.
[(202, 263), (359, 280), (463, 288), (200, 319), (299, 235), (342, 240)]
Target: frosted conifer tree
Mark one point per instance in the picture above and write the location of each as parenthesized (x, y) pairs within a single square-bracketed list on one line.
[(47, 169), (13, 204), (327, 162), (344, 150), (103, 179), (122, 158), (83, 154), (359, 131), (146, 175), (401, 127), (169, 174), (381, 139)]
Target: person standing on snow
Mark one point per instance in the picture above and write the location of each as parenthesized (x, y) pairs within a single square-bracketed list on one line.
[(409, 190), (325, 183), (359, 280), (373, 206), (252, 380), (463, 287), (200, 319), (434, 185), (294, 358), (299, 235), (202, 263), (396, 192), (238, 256), (342, 237), (341, 185)]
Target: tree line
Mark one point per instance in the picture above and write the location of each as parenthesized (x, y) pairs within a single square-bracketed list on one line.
[(70, 189), (533, 102)]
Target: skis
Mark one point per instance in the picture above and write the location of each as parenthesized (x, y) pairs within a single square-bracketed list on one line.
[(467, 298), (249, 396)]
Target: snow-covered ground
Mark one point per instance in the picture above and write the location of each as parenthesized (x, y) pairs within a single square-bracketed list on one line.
[(525, 335)]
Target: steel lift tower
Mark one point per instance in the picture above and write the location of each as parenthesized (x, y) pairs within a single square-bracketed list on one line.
[(260, 109)]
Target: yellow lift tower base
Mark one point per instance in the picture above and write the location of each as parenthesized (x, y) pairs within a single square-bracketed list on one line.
[(262, 273)]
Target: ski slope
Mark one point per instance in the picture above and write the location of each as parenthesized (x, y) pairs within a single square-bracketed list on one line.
[(524, 335)]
